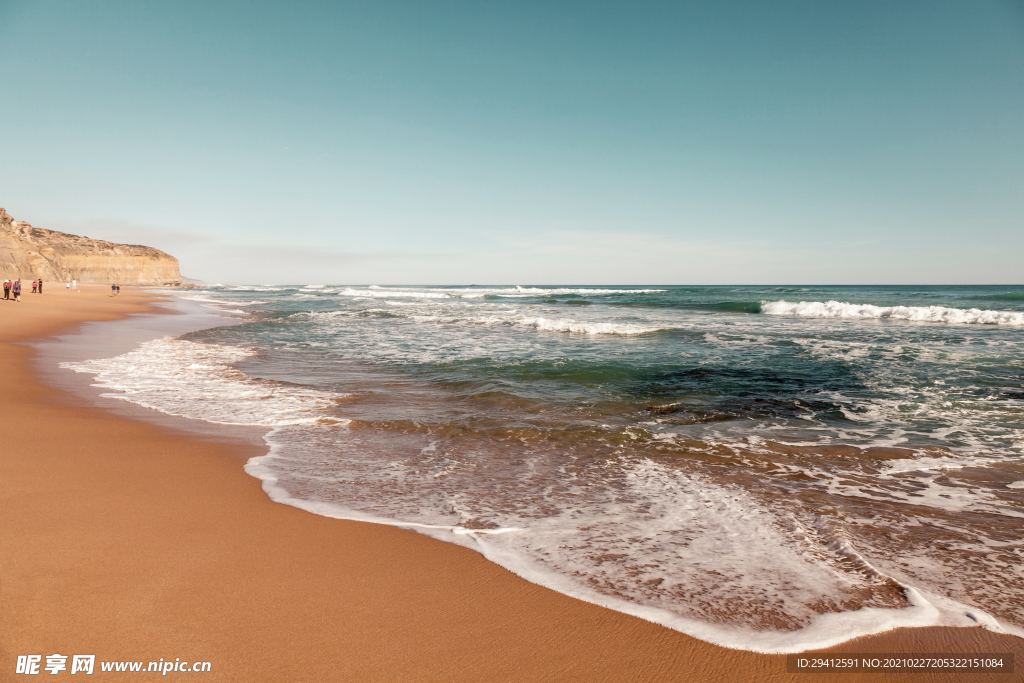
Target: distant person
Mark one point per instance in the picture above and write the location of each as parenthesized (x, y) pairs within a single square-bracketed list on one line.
[(7, 290), (67, 285), (35, 286), (113, 289), (16, 290), (119, 289), (74, 285), (40, 285)]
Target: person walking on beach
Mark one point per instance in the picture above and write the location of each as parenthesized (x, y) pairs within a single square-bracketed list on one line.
[(35, 284), (119, 289), (40, 285), (74, 285), (16, 289), (113, 289), (67, 285), (7, 290)]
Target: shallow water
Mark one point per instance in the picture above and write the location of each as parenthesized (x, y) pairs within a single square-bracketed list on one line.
[(763, 467)]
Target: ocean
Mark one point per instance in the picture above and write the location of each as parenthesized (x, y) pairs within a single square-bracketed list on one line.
[(767, 468)]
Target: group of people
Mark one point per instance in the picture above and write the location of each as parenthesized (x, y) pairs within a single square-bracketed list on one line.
[(13, 288)]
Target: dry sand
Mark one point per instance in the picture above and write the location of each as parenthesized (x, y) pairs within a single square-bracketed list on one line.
[(134, 542)]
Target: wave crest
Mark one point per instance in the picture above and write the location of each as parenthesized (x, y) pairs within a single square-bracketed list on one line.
[(932, 314)]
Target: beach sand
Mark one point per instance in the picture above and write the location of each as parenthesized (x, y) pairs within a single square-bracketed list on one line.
[(132, 541)]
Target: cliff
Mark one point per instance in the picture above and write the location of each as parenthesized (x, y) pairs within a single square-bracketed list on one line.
[(29, 253)]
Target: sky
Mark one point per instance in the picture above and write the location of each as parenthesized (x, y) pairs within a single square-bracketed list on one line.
[(528, 142)]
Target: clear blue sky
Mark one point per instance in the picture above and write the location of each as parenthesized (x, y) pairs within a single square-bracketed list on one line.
[(548, 142)]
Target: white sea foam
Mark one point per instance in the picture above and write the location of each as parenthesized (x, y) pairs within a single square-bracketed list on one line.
[(197, 381), (383, 294), (940, 463), (1016, 485), (208, 299), (256, 288), (570, 326), (929, 489), (650, 532), (723, 547), (935, 314)]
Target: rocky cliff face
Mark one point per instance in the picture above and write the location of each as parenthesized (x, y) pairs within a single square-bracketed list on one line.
[(29, 253)]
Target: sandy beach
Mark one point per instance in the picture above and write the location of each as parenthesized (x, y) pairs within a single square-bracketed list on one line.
[(134, 542)]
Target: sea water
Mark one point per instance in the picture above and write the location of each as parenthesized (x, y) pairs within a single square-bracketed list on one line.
[(769, 468)]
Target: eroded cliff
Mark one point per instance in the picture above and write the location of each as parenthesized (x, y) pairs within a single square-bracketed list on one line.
[(29, 253)]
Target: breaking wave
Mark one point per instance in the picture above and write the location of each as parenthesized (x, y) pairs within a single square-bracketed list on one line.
[(377, 292), (542, 324), (931, 314)]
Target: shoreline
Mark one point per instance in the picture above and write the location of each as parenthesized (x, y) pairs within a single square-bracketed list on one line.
[(173, 317), (134, 541)]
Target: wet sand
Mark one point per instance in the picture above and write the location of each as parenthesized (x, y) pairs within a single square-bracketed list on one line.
[(133, 541)]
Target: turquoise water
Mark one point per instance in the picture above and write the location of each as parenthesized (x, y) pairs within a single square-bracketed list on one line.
[(764, 467)]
